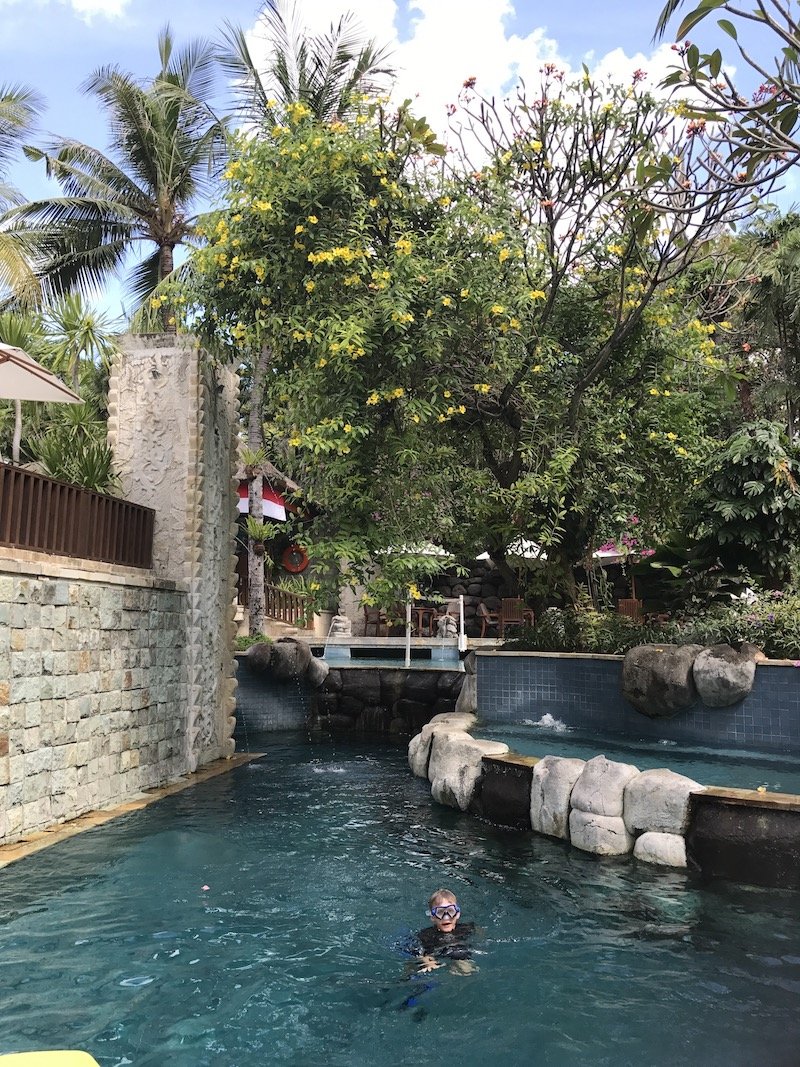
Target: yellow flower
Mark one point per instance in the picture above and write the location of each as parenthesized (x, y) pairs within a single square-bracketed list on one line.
[(481, 387), (313, 219), (447, 394), (446, 301), (347, 427), (623, 436), (414, 593), (465, 292), (615, 250), (310, 286), (537, 369), (299, 229), (681, 451), (654, 392), (323, 362), (373, 398), (503, 255), (397, 393), (403, 246), (461, 409), (537, 294), (497, 309), (373, 202), (295, 440)]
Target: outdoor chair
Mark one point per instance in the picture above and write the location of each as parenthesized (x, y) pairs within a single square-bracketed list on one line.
[(375, 618), (631, 608), (487, 618), (513, 612)]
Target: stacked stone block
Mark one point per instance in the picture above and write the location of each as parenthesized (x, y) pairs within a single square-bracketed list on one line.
[(93, 679)]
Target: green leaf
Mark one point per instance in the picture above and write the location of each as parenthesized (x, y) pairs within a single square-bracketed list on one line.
[(715, 63), (728, 27)]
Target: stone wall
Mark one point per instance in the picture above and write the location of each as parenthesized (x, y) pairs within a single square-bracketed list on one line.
[(172, 426), (483, 584), (93, 669), (114, 680)]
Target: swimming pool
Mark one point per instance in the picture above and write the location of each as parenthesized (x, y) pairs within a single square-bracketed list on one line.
[(259, 918), (740, 767)]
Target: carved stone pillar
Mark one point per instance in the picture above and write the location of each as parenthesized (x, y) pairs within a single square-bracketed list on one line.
[(172, 427)]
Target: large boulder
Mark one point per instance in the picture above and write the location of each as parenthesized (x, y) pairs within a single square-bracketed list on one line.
[(468, 697), (456, 764), (259, 657), (600, 789), (316, 672), (723, 675), (658, 801), (668, 850), (658, 679), (553, 779), (419, 747), (290, 658), (605, 835)]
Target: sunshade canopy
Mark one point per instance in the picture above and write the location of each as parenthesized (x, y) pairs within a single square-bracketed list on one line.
[(22, 378)]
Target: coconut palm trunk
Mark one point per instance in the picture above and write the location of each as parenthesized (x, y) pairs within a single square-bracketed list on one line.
[(255, 442)]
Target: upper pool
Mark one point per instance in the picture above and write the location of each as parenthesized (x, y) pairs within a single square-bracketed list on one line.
[(719, 766), (259, 918)]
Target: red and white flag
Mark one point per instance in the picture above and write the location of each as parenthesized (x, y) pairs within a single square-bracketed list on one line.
[(274, 506)]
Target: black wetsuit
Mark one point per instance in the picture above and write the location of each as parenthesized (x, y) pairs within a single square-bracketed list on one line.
[(448, 946)]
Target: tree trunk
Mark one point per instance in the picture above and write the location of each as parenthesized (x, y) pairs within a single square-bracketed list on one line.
[(17, 439), (166, 262), (255, 441)]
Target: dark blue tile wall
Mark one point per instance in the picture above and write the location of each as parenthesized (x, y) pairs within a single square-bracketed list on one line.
[(264, 703), (587, 694)]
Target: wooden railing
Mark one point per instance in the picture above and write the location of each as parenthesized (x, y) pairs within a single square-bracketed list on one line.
[(44, 515), (287, 607)]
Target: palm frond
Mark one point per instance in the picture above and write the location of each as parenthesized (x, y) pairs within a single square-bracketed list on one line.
[(667, 12)]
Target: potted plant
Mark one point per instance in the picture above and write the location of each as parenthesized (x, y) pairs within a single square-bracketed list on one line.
[(259, 533)]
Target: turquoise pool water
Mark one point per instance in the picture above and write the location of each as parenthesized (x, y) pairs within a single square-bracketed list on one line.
[(318, 860), (717, 767)]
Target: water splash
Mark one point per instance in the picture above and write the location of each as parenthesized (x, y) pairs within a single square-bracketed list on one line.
[(548, 722)]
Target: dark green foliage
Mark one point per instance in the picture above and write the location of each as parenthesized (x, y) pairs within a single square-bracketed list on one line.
[(749, 508), (241, 644)]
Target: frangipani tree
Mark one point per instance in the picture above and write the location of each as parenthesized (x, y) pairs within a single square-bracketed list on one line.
[(765, 120)]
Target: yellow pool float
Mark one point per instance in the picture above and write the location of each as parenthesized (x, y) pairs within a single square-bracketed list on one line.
[(62, 1058)]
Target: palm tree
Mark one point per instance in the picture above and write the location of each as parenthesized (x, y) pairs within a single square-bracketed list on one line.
[(76, 335), (321, 71), (70, 336), (166, 147), (19, 110)]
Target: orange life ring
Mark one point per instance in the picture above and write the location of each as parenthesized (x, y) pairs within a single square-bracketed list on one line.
[(294, 559)]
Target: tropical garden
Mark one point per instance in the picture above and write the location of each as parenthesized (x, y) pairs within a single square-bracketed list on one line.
[(571, 318)]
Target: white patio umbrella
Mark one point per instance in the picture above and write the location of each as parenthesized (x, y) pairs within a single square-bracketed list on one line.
[(22, 378)]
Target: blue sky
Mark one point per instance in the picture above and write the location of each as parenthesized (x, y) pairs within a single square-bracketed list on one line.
[(53, 45)]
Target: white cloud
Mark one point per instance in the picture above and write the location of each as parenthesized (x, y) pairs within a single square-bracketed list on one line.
[(86, 10), (448, 41)]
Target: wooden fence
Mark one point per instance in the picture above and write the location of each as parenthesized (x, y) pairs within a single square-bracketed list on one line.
[(43, 515), (287, 607)]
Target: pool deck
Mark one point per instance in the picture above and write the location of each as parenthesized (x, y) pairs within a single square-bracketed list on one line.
[(43, 839)]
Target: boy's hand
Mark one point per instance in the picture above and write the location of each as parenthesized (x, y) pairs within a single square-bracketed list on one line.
[(428, 963)]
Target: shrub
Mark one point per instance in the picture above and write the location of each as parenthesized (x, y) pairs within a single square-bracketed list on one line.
[(769, 620), (241, 644)]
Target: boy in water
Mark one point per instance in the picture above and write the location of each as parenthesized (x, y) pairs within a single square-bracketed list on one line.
[(447, 940)]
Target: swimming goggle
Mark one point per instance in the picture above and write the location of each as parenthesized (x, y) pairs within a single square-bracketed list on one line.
[(445, 911)]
